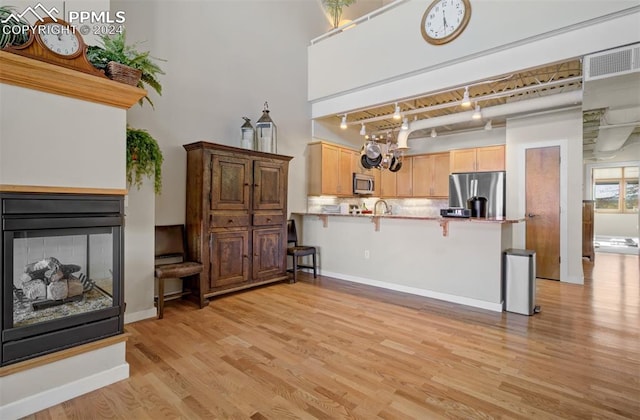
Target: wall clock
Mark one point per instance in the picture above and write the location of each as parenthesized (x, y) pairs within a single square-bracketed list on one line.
[(445, 20), (56, 42)]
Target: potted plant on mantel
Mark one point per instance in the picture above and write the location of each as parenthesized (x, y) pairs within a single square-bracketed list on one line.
[(11, 30), (144, 159), (124, 63), (334, 7)]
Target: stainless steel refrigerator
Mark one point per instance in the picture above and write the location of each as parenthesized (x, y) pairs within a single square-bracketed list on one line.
[(490, 185)]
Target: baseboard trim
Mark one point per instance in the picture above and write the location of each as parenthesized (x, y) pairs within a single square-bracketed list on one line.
[(496, 307), (140, 315)]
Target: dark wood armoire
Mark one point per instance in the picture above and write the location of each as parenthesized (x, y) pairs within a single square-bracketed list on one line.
[(236, 217)]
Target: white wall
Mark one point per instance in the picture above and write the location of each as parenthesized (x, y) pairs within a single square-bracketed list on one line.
[(608, 224), (394, 44), (564, 129), (224, 60), (55, 141)]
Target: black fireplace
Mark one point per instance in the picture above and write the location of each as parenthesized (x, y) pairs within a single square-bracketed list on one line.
[(62, 272)]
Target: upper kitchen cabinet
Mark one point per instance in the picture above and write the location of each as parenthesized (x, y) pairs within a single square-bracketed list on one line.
[(431, 175), (480, 159), (330, 170), (397, 184)]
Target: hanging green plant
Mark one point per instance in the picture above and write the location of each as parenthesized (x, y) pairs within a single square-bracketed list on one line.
[(334, 7), (144, 159)]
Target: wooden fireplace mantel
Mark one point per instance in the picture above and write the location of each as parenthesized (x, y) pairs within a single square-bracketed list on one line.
[(33, 74)]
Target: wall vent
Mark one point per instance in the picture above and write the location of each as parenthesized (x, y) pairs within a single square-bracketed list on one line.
[(614, 62)]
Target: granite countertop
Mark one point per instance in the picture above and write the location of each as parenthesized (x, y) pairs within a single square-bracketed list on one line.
[(412, 217)]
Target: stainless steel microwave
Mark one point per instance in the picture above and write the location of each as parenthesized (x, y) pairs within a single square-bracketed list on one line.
[(363, 184)]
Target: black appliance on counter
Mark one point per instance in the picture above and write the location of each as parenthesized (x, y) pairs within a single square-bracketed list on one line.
[(455, 212), (469, 189)]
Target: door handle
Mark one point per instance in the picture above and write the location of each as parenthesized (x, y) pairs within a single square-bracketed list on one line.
[(531, 215)]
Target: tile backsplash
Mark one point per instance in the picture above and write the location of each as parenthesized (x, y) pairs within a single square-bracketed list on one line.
[(425, 207)]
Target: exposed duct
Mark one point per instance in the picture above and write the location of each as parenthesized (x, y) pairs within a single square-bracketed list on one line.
[(616, 125), (560, 100)]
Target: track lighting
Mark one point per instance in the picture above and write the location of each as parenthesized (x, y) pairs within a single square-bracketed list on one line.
[(405, 124), (466, 102), (488, 126), (343, 123), (433, 132), (363, 131), (396, 113), (476, 114)]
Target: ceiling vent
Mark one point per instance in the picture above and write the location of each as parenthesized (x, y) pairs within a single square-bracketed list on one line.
[(614, 62)]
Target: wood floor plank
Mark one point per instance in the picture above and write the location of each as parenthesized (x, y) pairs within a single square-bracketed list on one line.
[(328, 349)]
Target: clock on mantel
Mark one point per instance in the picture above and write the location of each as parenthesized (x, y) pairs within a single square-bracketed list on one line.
[(57, 42)]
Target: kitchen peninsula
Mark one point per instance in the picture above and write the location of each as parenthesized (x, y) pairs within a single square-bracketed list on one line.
[(456, 260)]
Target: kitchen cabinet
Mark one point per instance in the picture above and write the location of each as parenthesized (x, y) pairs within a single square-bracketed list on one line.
[(404, 178), (330, 170), (480, 159), (236, 216), (397, 184), (431, 175)]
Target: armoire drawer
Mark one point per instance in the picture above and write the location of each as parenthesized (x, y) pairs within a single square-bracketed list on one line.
[(268, 219), (229, 220)]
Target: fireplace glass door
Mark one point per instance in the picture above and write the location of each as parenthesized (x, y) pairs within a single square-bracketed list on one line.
[(59, 275)]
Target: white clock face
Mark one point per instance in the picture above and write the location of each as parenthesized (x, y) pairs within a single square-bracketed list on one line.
[(59, 38), (445, 19)]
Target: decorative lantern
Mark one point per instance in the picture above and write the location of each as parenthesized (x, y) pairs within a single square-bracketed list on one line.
[(248, 134), (266, 134)]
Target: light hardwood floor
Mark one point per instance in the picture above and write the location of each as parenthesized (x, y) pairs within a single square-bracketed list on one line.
[(331, 349)]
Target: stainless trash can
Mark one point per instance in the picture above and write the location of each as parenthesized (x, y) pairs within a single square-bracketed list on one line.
[(520, 281)]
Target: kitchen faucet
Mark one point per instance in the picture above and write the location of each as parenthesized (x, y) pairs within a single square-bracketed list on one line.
[(387, 209)]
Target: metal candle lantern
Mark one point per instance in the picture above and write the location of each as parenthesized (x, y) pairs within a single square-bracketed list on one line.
[(248, 134), (266, 134)]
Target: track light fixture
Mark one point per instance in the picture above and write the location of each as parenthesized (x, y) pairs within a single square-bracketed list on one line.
[(343, 123), (363, 131), (488, 126), (476, 114), (466, 102), (434, 133), (396, 113), (405, 124)]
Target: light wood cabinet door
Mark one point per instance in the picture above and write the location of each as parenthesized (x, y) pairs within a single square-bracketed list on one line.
[(431, 175), (440, 180), (480, 159), (462, 160), (345, 172), (388, 184), (490, 158), (422, 174), (404, 178), (330, 163)]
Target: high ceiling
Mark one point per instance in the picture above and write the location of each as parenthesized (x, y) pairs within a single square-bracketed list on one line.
[(611, 93), (542, 81)]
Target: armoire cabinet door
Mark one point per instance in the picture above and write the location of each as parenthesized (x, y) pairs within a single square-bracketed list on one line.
[(229, 257), (269, 190), (268, 252), (230, 183)]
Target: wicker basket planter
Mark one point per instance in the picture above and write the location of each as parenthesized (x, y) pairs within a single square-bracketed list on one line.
[(123, 74)]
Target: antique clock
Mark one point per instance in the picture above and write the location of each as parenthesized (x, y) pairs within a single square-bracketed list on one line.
[(57, 42), (445, 20)]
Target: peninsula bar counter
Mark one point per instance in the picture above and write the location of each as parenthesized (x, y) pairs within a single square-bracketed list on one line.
[(455, 260)]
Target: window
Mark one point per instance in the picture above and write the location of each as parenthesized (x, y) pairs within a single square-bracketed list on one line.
[(615, 190)]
